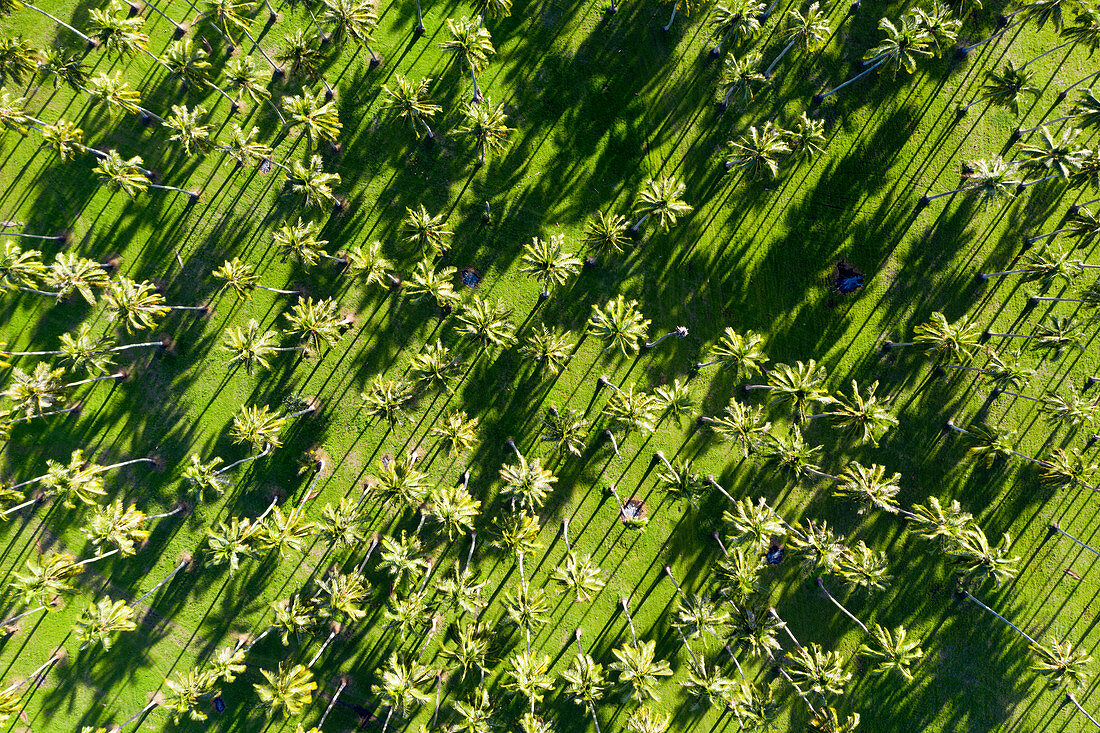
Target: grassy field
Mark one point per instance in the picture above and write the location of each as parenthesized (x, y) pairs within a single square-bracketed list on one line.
[(599, 104)]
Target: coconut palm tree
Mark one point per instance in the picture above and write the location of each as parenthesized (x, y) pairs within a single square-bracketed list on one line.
[(739, 80), (245, 77), (741, 353), (435, 368), (952, 340), (472, 45), (411, 103), (387, 399), (735, 24), (403, 559), (485, 324), (1067, 469), (564, 430), (586, 682), (242, 278), (904, 45), (353, 20), (976, 559), (807, 139), (312, 183), (806, 32), (1056, 333), (744, 425), (119, 525), (116, 31), (800, 386), (116, 94), (1054, 157), (486, 124), (872, 487), (454, 509), (758, 152), (122, 175), (526, 481), (863, 419), (821, 670), (1045, 266), (578, 573), (317, 322), (426, 233), (619, 324), (302, 57), (661, 199), (547, 262), (639, 670), (287, 691), (548, 348), (186, 694), (369, 265), (606, 234), (318, 118), (428, 282), (1060, 663), (528, 675), (990, 181), (252, 348), (101, 621), (300, 241), (400, 686), (1006, 88), (697, 615), (191, 66)]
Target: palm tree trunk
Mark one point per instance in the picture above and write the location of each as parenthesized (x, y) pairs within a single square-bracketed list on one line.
[(629, 620), (152, 704), (61, 23), (675, 7), (17, 507), (24, 614), (979, 100), (1009, 335), (967, 49), (46, 293), (926, 198), (43, 414), (614, 493), (636, 226), (854, 79), (701, 364), (690, 651), (1046, 53), (987, 275), (771, 66), (162, 515), (849, 614), (370, 551), (389, 715), (299, 413), (179, 28), (267, 511), (1044, 124), (1028, 184), (21, 235), (419, 30), (16, 685), (332, 703), (470, 553), (1039, 298), (477, 91), (614, 443), (813, 471), (721, 545), (144, 344), (151, 591), (278, 70), (1082, 80), (280, 292), (161, 187), (1037, 237), (1021, 396), (1016, 628), (1058, 528), (1073, 699), (565, 535), (714, 482), (96, 558), (328, 640), (681, 332), (261, 454), (130, 462), (116, 375)]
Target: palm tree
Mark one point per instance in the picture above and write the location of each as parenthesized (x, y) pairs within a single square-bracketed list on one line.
[(485, 324), (549, 349), (411, 102), (741, 424), (606, 233), (528, 675), (7, 7), (302, 57), (387, 399), (114, 92), (100, 621), (585, 681), (353, 20), (758, 152), (619, 324), (905, 43), (46, 577), (697, 615), (190, 65), (486, 124), (403, 559), (629, 410), (122, 175), (735, 24), (472, 45), (937, 336), (1044, 266), (400, 687), (1054, 157), (872, 487), (1057, 333), (242, 278), (426, 233), (741, 353), (10, 695), (892, 651), (428, 282), (863, 419), (566, 431), (660, 198), (454, 509), (317, 322), (312, 183), (287, 691), (976, 559), (807, 139), (243, 75), (547, 262), (18, 60), (120, 525), (252, 348), (1006, 88), (800, 386), (301, 242), (117, 32), (639, 670), (990, 181), (807, 32), (371, 266), (578, 573), (526, 481), (318, 118), (822, 670), (435, 368)]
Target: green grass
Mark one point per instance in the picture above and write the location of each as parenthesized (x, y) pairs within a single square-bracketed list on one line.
[(599, 103)]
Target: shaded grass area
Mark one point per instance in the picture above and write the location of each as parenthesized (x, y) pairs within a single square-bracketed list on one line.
[(599, 103)]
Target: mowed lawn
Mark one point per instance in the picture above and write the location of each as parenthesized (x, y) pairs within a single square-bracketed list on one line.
[(599, 103)]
